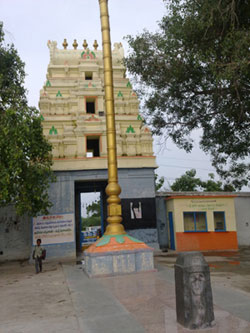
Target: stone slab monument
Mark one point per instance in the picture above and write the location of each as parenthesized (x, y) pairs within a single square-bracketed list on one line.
[(194, 301)]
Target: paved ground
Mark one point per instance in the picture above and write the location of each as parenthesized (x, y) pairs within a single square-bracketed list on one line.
[(35, 302), (228, 268), (63, 299)]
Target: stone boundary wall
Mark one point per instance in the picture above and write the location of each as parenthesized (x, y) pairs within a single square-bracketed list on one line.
[(15, 235)]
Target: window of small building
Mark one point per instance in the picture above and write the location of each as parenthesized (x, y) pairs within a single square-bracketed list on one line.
[(93, 146), (90, 105), (195, 221), (219, 221), (88, 76)]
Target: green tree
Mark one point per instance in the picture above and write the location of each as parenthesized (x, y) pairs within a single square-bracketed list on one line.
[(188, 182), (159, 181), (90, 221), (194, 73), (93, 215), (94, 209), (25, 155)]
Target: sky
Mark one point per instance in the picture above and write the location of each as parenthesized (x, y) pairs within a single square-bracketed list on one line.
[(29, 24)]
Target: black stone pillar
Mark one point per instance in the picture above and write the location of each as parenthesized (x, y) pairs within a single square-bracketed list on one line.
[(194, 301)]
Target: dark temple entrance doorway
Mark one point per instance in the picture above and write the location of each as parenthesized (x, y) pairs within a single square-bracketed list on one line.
[(83, 194)]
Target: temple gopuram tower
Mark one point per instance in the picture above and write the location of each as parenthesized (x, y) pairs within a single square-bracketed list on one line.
[(72, 108)]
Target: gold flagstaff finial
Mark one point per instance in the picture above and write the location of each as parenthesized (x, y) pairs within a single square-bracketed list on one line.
[(75, 44), (85, 44), (65, 44), (113, 189), (95, 45)]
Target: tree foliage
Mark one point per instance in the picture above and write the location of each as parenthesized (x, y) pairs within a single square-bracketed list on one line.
[(94, 209), (91, 221), (194, 73), (25, 155), (188, 182), (159, 181), (94, 215)]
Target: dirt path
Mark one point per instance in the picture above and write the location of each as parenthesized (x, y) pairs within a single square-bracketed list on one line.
[(230, 269), (35, 302), (42, 302)]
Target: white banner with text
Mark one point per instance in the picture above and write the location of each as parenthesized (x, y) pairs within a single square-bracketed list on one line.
[(54, 229)]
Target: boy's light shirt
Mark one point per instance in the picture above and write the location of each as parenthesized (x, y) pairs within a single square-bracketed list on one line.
[(38, 251)]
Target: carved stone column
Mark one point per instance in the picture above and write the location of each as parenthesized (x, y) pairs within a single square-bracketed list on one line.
[(194, 301)]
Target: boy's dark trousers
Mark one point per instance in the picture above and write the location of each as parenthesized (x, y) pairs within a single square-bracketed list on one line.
[(38, 264)]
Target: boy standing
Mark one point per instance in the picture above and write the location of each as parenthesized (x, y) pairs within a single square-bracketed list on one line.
[(37, 255)]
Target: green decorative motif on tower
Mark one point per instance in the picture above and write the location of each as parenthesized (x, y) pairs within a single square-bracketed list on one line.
[(59, 94), (139, 117), (48, 84), (88, 55), (53, 131), (130, 129), (129, 85), (90, 85), (120, 94), (41, 117)]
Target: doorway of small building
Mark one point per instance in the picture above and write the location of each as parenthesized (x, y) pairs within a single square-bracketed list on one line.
[(90, 212)]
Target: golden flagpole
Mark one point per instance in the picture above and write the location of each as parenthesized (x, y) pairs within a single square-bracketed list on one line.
[(115, 252), (113, 189)]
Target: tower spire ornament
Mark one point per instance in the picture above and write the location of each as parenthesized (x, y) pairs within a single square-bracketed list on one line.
[(75, 44), (85, 44), (65, 44), (95, 45)]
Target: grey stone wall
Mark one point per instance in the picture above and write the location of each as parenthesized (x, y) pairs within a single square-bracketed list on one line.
[(15, 235), (16, 232), (161, 223), (242, 212), (148, 236), (135, 183)]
